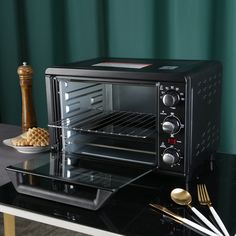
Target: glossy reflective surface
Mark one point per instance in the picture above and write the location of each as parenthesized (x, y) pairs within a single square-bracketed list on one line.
[(76, 170), (128, 212)]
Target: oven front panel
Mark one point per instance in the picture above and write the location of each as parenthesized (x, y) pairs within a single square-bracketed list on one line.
[(123, 122)]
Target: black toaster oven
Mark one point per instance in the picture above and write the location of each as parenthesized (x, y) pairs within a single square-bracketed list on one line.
[(113, 120)]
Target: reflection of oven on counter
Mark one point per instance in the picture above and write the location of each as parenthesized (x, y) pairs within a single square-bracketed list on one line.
[(127, 213), (111, 124)]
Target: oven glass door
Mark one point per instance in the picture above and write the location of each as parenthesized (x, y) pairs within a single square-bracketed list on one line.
[(73, 179)]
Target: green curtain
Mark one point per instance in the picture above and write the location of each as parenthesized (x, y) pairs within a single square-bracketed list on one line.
[(49, 32)]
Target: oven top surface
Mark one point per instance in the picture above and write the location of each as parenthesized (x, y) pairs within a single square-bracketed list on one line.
[(135, 69)]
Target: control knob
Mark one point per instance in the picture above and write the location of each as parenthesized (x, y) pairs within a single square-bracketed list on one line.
[(171, 98), (171, 125), (171, 156)]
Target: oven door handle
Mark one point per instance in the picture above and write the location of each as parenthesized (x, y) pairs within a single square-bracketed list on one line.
[(100, 197)]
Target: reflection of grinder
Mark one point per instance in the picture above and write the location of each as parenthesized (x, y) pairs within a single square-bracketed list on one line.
[(28, 114)]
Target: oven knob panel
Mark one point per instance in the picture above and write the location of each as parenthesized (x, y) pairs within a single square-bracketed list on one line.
[(170, 98), (171, 129), (171, 156), (171, 125)]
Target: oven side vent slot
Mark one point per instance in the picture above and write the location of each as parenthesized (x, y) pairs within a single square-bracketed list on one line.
[(79, 99)]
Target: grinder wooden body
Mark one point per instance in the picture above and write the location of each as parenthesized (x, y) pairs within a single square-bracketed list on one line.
[(25, 73)]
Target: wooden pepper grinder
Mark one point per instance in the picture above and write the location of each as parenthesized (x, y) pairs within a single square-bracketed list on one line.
[(25, 73)]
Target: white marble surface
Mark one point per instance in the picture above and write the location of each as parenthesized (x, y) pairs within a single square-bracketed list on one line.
[(26, 227)]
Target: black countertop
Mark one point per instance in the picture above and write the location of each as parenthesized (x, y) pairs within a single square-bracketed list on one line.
[(8, 155), (128, 212)]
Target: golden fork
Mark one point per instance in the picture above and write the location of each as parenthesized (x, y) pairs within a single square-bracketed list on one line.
[(204, 199)]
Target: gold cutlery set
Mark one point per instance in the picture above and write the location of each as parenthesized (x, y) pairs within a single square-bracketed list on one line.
[(183, 197)]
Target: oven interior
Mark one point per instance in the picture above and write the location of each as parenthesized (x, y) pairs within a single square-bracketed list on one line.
[(108, 121)]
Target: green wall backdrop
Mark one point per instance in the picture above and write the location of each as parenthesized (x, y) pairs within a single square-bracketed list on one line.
[(49, 32)]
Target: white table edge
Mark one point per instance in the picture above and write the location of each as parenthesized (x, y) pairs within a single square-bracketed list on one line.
[(54, 221)]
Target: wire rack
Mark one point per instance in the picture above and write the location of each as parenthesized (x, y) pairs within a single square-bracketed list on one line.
[(119, 123)]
